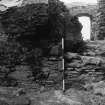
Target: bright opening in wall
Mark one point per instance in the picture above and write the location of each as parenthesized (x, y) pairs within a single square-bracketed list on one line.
[(86, 30)]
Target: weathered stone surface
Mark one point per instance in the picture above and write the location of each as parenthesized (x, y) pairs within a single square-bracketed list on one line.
[(91, 62), (79, 96), (25, 2), (52, 69), (3, 103), (54, 98), (97, 88), (71, 56), (55, 51), (101, 20), (21, 100), (7, 97), (78, 8), (21, 74)]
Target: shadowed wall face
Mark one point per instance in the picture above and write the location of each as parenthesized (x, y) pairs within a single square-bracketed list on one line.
[(86, 30)]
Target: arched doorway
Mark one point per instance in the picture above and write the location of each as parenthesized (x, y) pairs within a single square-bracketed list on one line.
[(86, 30)]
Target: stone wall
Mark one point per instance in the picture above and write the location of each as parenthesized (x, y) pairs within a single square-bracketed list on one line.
[(87, 67), (21, 66), (101, 20)]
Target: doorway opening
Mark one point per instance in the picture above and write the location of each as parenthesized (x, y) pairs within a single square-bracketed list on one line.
[(86, 30)]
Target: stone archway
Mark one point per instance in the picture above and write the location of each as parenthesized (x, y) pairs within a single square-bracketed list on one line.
[(88, 24), (88, 11)]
